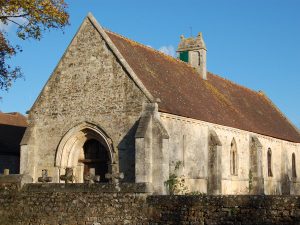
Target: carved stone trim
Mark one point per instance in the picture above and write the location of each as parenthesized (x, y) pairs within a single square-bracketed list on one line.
[(66, 151)]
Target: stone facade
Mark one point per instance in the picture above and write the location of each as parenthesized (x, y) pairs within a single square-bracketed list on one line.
[(189, 143), (89, 86)]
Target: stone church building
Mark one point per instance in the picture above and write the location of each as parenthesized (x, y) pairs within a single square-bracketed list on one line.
[(113, 105)]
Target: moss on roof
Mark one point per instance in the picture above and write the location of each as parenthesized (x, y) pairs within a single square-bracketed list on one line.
[(217, 100)]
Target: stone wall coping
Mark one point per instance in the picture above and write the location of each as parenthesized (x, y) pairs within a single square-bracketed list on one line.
[(15, 178), (95, 188)]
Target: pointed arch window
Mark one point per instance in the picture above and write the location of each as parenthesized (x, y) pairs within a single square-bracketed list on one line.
[(269, 158), (294, 171), (233, 159)]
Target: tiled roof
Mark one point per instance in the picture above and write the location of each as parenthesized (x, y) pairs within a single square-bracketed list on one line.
[(12, 128), (13, 119), (215, 100)]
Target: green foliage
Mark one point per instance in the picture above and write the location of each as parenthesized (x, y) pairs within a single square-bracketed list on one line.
[(7, 73), (176, 184), (32, 18)]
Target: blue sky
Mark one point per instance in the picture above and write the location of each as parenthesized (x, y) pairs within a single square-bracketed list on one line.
[(254, 43)]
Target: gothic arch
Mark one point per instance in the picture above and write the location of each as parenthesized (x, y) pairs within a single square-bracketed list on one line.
[(71, 145), (233, 158), (214, 139)]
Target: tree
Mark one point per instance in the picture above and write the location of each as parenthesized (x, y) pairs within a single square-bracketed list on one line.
[(32, 18)]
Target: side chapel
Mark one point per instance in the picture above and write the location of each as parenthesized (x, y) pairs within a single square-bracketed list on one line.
[(113, 105)]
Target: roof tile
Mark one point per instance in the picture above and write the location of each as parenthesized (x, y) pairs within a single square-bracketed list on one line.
[(215, 100), (13, 119)]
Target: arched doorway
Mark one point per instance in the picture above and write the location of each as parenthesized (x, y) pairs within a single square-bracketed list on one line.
[(87, 149)]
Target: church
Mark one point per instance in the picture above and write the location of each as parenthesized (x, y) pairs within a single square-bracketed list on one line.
[(114, 106)]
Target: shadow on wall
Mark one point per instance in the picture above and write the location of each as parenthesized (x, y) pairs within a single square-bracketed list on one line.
[(10, 138), (126, 150), (10, 162)]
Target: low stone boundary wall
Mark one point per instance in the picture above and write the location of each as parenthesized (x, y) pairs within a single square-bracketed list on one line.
[(95, 204), (13, 182), (232, 209), (72, 209)]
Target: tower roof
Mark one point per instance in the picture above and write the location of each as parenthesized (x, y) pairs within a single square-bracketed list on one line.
[(191, 43)]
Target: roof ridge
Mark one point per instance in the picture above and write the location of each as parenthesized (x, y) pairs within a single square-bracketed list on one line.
[(149, 48), (12, 114)]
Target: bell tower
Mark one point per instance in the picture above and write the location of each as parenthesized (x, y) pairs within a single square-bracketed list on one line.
[(193, 51)]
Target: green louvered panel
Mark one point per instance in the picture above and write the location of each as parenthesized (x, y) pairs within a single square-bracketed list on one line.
[(184, 56)]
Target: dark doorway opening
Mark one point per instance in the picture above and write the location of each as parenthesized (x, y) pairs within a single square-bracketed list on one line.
[(95, 158)]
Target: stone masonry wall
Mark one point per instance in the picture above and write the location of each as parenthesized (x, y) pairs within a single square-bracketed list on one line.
[(88, 85), (80, 204), (217, 210), (188, 144), (71, 205)]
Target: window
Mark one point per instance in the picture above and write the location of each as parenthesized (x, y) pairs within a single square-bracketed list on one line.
[(269, 157), (294, 171), (233, 159)]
